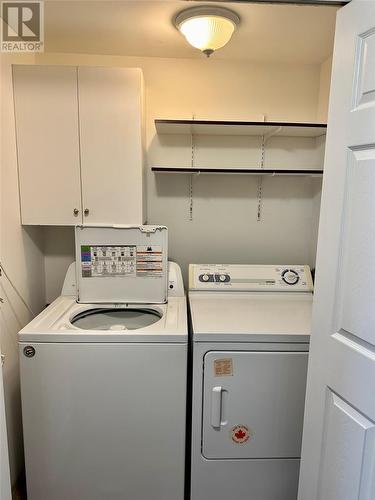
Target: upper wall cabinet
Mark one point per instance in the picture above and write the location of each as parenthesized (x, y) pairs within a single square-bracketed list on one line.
[(111, 130), (46, 107), (80, 144)]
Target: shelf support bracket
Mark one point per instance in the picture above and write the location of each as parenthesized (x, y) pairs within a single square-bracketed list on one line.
[(191, 180), (271, 134), (260, 179), (265, 138)]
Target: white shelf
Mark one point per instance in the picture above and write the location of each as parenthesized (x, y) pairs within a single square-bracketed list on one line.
[(235, 170), (219, 127)]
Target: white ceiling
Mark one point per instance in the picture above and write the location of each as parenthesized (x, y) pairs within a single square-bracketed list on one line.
[(268, 33)]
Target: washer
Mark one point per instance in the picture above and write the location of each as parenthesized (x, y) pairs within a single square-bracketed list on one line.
[(251, 327), (103, 374)]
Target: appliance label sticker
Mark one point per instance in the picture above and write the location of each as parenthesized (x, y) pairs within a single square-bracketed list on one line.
[(102, 261), (240, 434), (149, 261), (124, 261), (223, 367)]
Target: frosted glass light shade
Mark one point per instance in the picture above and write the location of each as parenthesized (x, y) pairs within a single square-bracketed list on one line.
[(207, 33), (207, 29)]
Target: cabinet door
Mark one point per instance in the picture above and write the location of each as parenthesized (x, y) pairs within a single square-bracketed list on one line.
[(254, 408), (46, 110), (110, 108)]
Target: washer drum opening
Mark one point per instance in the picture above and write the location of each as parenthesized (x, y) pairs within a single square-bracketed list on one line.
[(115, 319)]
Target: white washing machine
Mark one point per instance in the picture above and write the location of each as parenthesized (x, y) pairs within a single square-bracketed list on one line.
[(103, 374), (251, 327)]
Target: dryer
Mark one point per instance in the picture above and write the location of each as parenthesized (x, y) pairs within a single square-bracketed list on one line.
[(103, 374), (251, 328)]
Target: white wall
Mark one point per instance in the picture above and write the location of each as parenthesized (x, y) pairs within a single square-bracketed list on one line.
[(324, 88), (21, 254), (59, 254), (322, 117), (224, 226)]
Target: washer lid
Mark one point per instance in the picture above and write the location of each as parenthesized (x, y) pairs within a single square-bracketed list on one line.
[(115, 319), (122, 264)]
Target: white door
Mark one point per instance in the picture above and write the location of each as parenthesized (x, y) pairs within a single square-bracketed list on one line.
[(46, 110), (338, 453), (253, 404), (110, 109), (5, 493)]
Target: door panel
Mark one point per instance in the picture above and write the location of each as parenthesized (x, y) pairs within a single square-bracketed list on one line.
[(358, 265), (363, 93), (254, 410), (348, 453), (338, 443), (365, 90), (46, 110)]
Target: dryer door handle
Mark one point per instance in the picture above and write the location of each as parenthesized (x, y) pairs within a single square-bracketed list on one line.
[(216, 401)]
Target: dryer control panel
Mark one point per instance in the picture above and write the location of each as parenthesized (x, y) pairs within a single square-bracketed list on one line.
[(250, 278)]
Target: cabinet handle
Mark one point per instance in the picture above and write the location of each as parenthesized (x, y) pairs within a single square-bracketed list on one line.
[(86, 211), (75, 212)]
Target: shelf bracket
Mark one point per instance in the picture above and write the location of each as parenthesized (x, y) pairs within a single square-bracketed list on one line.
[(265, 138), (191, 187), (271, 134), (260, 179), (260, 195)]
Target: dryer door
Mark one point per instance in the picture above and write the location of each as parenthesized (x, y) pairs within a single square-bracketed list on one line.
[(253, 404)]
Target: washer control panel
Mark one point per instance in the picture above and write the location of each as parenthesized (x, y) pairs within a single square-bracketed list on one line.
[(250, 277)]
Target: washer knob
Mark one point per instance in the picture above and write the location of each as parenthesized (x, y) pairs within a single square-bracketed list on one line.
[(205, 277), (222, 277)]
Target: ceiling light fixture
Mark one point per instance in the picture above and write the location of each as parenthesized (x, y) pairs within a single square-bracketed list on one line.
[(207, 28)]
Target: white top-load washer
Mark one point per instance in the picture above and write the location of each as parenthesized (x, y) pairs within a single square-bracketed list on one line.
[(103, 374), (251, 328)]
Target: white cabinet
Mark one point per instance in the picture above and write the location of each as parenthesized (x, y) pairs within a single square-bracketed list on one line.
[(110, 111), (46, 107), (80, 144)]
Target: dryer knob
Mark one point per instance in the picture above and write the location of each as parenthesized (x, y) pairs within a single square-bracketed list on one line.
[(290, 277)]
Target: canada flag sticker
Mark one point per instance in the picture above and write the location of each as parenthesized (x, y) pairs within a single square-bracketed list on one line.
[(241, 434)]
